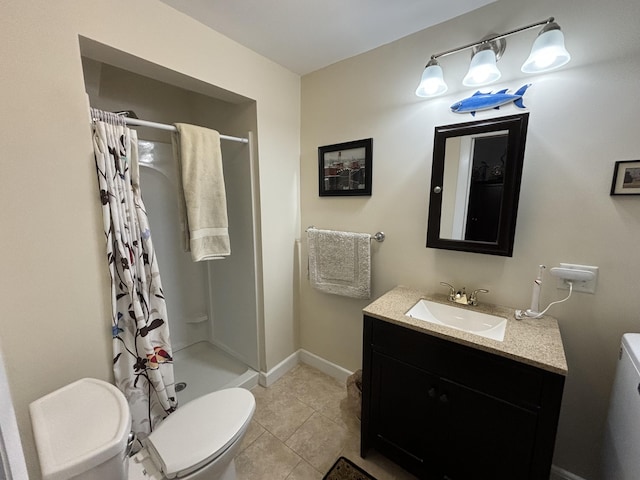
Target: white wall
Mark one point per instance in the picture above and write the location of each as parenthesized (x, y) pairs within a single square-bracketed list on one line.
[(54, 289), (582, 119)]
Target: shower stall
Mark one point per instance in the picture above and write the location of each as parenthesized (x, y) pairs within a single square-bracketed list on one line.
[(212, 305)]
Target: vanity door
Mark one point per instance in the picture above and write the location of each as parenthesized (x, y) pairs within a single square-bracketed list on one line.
[(404, 421), (485, 438)]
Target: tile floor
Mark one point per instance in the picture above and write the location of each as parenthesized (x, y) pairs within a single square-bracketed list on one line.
[(302, 424)]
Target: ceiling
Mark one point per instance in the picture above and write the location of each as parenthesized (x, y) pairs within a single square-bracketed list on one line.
[(307, 35)]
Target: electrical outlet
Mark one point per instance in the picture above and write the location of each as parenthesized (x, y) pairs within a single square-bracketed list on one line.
[(586, 287)]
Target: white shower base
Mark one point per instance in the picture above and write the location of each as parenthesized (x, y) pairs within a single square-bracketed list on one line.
[(206, 368)]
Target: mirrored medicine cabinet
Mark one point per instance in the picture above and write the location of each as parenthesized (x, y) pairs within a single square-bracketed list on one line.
[(475, 185)]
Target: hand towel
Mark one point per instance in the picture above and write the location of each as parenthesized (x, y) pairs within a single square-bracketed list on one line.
[(340, 262), (202, 196)]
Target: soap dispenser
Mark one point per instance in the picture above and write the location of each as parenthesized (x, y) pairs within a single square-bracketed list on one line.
[(534, 311)]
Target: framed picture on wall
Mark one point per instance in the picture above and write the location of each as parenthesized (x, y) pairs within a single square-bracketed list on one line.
[(344, 169), (626, 178)]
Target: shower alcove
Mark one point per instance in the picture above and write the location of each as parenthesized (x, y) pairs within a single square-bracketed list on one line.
[(213, 306)]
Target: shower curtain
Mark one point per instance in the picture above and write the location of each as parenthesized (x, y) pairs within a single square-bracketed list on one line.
[(142, 361)]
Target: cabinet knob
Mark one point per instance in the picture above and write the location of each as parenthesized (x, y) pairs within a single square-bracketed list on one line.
[(444, 398), (432, 392), (437, 189)]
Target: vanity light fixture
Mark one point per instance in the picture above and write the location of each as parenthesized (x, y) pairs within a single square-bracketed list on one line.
[(483, 69), (547, 53), (432, 82)]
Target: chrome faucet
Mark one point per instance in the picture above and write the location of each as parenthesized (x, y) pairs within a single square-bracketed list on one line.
[(461, 296)]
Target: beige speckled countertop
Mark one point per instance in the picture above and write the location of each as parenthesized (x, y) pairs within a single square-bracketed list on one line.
[(536, 342)]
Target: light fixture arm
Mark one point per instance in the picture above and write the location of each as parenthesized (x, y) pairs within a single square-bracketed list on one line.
[(492, 38)]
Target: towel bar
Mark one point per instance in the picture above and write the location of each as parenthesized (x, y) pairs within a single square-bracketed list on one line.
[(378, 236)]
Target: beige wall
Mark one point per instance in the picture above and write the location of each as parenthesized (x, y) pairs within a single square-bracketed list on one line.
[(582, 119), (54, 288)]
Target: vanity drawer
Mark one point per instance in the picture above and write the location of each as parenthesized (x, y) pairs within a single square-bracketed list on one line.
[(491, 374)]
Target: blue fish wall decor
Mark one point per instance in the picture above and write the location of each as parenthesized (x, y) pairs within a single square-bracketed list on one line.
[(485, 101)]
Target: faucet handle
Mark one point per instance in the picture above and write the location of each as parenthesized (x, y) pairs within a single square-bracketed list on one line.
[(473, 298), (452, 291)]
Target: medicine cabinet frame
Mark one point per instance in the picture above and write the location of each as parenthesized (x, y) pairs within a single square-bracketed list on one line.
[(515, 127)]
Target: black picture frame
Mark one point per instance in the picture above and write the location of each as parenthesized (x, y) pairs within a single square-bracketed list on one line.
[(344, 169), (626, 178)]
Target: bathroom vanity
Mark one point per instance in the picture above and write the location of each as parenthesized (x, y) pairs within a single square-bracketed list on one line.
[(448, 404)]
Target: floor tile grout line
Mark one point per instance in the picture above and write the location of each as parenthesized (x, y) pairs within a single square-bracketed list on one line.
[(343, 444), (285, 440), (302, 460), (295, 431), (255, 439)]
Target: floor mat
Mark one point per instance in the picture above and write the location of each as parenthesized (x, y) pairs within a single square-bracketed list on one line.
[(345, 469)]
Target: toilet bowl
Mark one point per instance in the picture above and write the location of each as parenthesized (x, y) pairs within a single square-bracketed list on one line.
[(82, 432)]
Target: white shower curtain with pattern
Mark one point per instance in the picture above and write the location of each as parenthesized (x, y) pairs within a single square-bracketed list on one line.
[(142, 360)]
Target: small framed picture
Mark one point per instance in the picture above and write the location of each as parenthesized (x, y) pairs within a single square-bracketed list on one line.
[(626, 178), (344, 169)]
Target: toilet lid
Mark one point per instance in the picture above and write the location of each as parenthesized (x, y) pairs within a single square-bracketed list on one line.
[(198, 432), (79, 426)]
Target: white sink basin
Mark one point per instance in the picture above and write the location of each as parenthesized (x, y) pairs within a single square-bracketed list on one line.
[(478, 323)]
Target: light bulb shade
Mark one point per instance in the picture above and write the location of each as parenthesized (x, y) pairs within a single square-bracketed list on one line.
[(432, 82), (482, 70), (548, 52)]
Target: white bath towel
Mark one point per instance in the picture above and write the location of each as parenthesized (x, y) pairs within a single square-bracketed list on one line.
[(340, 262), (202, 195)]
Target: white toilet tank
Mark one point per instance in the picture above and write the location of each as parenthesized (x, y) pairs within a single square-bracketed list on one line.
[(81, 431), (621, 460)]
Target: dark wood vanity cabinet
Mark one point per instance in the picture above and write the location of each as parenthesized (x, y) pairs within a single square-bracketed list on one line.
[(450, 412)]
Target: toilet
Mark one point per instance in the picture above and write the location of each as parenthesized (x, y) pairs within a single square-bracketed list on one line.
[(82, 431), (622, 429)]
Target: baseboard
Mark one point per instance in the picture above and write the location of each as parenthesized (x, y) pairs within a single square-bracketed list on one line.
[(302, 356), (268, 378), (325, 366), (558, 473)]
